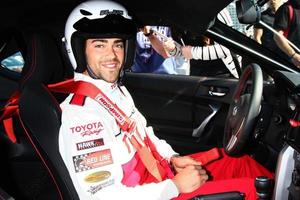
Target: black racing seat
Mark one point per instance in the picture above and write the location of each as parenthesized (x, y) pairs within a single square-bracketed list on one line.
[(30, 173), (40, 114)]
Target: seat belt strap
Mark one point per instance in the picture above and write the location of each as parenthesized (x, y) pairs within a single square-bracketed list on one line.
[(10, 110), (87, 89), (9, 129), (125, 123), (78, 100), (291, 15)]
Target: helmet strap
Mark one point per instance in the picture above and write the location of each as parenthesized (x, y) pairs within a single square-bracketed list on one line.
[(121, 76)]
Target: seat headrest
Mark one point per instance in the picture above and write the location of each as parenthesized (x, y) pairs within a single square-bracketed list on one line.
[(44, 60)]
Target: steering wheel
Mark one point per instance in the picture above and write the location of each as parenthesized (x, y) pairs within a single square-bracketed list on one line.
[(243, 110)]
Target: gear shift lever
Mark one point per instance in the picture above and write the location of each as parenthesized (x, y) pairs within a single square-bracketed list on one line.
[(263, 187)]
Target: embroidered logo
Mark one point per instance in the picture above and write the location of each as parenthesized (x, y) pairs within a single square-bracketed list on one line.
[(92, 160), (108, 12), (89, 144), (97, 177), (111, 108), (88, 129), (114, 85)]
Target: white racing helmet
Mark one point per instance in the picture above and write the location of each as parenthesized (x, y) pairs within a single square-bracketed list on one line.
[(98, 19)]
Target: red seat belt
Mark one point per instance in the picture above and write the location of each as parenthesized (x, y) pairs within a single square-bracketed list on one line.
[(291, 15), (9, 110), (90, 90)]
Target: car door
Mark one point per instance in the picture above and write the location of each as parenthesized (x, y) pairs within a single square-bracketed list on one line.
[(189, 112)]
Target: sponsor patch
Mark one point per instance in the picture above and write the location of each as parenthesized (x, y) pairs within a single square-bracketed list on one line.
[(89, 144), (94, 189), (111, 108), (97, 177), (93, 128), (115, 12), (92, 160)]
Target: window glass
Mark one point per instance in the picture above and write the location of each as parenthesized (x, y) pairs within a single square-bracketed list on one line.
[(14, 62), (243, 28), (185, 54), (196, 55)]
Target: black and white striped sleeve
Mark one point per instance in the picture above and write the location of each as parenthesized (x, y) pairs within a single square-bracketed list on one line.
[(211, 52)]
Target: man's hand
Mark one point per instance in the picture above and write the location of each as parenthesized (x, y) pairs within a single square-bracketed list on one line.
[(187, 52), (180, 162), (190, 178)]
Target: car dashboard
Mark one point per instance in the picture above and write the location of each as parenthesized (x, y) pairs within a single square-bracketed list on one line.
[(288, 86), (286, 114)]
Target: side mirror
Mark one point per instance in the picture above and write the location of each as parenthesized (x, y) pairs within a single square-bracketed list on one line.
[(247, 11)]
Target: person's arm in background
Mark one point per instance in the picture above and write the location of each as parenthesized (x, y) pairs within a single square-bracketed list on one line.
[(211, 52), (171, 48), (155, 42), (281, 23), (283, 44), (258, 32)]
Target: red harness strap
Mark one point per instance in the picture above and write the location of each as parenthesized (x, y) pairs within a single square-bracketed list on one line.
[(90, 90), (291, 15), (78, 100), (10, 110)]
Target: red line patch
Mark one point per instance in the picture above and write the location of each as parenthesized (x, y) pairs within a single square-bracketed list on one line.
[(92, 160)]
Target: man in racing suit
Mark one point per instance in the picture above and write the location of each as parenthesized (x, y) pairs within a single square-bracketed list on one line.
[(103, 160)]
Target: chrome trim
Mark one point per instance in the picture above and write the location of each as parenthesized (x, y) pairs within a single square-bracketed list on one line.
[(218, 94), (198, 131)]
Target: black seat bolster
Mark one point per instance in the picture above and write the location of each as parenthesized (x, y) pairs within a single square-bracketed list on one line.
[(40, 114)]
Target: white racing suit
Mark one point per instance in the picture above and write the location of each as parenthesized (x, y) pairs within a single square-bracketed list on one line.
[(97, 153)]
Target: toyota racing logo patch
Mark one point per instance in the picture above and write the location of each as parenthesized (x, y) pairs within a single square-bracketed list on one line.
[(89, 129)]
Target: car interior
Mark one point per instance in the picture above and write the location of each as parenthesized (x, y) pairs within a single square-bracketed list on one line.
[(192, 113)]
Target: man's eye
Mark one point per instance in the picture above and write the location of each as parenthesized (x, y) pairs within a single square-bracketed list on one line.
[(121, 45), (99, 46)]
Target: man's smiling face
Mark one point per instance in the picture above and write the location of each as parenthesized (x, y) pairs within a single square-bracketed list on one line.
[(105, 57)]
